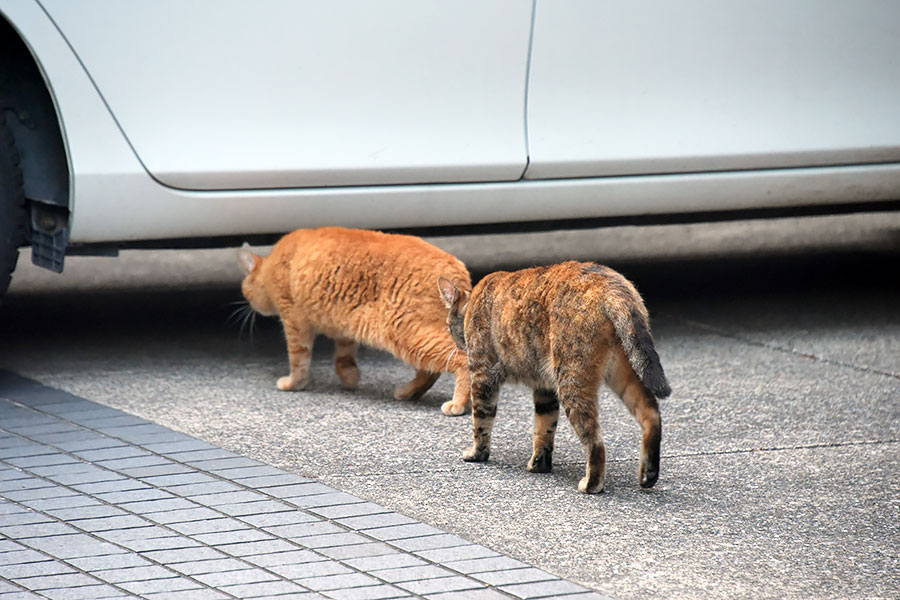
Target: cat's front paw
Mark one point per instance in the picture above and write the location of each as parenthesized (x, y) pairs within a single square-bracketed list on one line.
[(288, 383), (453, 409), (475, 454), (541, 463)]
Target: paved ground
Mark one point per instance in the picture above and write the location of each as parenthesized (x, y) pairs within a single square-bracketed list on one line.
[(780, 440), (100, 504)]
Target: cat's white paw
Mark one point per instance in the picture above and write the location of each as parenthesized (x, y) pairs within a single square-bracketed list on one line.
[(452, 409), (288, 383), (595, 489), (475, 454)]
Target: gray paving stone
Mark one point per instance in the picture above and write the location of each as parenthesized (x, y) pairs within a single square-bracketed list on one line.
[(200, 455), (43, 460), (297, 489), (179, 479), (377, 520), (134, 533), (394, 560), (182, 444), (25, 483), (107, 523), (17, 595), (91, 442), (71, 546), (192, 594), (23, 518), (141, 573), (301, 530), (482, 594), (203, 489), (72, 500), (398, 532), (160, 505), (123, 463), (123, 560), (170, 557), (320, 500), (183, 515), (34, 569), (103, 455), (166, 468), (267, 480), (241, 473), (137, 495), (46, 582), (466, 552), (333, 582), (288, 517), (17, 557), (213, 525), (48, 471), (444, 584), (310, 569), (290, 557), (217, 464), (118, 485), (216, 565), (83, 477), (175, 542), (86, 512), (88, 592), (226, 578), (114, 423), (150, 586), (239, 497), (263, 589), (254, 508), (481, 565), (372, 592), (261, 547), (43, 493), (27, 449), (514, 576), (543, 588), (330, 540), (357, 550), (232, 537), (401, 574), (429, 542), (37, 530)]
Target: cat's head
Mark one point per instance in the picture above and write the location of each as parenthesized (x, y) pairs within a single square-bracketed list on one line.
[(456, 301), (253, 286)]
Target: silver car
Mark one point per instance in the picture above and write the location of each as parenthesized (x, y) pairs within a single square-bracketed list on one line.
[(173, 123)]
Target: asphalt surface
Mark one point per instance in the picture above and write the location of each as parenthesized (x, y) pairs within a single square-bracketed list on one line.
[(781, 340)]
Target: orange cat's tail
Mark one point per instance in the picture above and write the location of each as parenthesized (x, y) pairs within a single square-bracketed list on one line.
[(625, 309)]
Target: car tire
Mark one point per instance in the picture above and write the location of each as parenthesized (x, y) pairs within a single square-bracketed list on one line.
[(12, 206)]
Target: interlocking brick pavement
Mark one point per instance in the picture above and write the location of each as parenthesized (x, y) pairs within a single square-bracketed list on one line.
[(99, 504)]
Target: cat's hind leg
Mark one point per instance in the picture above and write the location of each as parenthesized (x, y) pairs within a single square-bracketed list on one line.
[(546, 417), (299, 336), (345, 362), (622, 379), (485, 391), (416, 388), (578, 380)]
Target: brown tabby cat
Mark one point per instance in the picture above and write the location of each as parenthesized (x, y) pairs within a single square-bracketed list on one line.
[(360, 286), (561, 330)]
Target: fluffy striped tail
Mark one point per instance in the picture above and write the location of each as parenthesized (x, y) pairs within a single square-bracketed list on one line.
[(626, 311)]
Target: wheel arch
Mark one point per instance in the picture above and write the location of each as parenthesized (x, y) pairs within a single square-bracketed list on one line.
[(27, 103)]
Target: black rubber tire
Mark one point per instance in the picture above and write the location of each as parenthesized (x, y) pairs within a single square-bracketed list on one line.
[(12, 207)]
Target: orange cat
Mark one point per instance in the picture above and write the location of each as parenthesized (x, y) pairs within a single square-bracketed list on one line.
[(360, 286)]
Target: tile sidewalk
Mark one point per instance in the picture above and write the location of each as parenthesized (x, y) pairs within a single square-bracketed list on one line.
[(96, 503)]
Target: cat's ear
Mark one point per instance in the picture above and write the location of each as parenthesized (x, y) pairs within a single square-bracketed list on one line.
[(247, 259), (449, 292)]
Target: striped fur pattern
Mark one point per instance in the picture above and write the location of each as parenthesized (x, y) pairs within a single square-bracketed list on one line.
[(359, 286), (562, 330)]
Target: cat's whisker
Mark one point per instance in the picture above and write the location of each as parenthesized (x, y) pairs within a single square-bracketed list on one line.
[(450, 357)]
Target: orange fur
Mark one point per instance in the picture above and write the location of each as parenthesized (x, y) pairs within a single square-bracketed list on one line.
[(361, 286)]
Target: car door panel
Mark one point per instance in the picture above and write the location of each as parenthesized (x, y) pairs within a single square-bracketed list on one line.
[(659, 87), (222, 94)]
